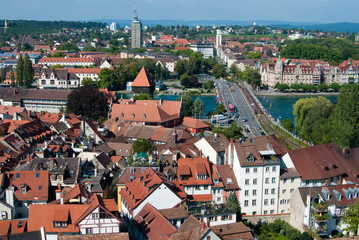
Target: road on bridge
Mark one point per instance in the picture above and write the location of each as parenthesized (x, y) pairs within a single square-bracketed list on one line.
[(246, 119)]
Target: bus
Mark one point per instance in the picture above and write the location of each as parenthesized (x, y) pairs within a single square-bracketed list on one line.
[(231, 108)]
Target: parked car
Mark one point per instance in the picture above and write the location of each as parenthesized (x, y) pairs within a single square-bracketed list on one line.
[(244, 120)]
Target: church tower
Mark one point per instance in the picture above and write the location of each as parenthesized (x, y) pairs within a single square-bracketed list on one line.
[(136, 30), (279, 69)]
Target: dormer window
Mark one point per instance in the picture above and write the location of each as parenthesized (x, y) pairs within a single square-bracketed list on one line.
[(133, 115), (144, 116), (334, 166), (250, 158), (23, 190), (60, 224), (340, 197), (326, 169), (349, 196), (122, 115)]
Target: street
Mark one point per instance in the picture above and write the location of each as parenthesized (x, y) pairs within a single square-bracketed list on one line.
[(246, 119)]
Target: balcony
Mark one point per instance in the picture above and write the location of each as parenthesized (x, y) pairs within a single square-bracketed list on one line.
[(320, 218), (320, 207), (338, 213)]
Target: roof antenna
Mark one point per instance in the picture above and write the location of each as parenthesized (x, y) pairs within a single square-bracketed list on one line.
[(135, 12)]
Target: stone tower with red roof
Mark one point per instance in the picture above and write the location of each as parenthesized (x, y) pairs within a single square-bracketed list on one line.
[(143, 83)]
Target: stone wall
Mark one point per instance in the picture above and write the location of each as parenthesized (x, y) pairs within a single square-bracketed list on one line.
[(254, 219)]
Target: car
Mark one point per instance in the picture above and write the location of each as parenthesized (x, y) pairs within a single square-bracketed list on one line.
[(263, 133), (258, 128), (244, 120)]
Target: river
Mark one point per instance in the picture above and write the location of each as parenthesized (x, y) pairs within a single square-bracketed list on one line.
[(282, 107), (209, 101)]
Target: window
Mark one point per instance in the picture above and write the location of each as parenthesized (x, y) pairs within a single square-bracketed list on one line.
[(40, 187), (17, 175), (272, 201), (274, 169), (284, 181), (23, 190), (273, 180), (267, 180), (3, 215), (291, 190), (95, 216), (255, 170), (265, 201), (284, 191), (246, 182), (254, 202), (88, 230), (246, 193), (271, 211), (272, 191), (265, 212), (254, 192), (60, 224), (255, 181), (292, 180), (219, 199), (266, 191), (37, 175), (267, 169), (247, 170), (246, 203), (205, 187)]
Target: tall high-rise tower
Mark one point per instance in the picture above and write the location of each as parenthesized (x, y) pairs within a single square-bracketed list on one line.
[(218, 42), (136, 30)]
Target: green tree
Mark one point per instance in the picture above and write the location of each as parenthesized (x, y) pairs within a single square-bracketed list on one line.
[(219, 71), (335, 87), (187, 104), (233, 69), (87, 101), (345, 118), (28, 72), (288, 124), (19, 71), (86, 81), (142, 145), (305, 236), (352, 217), (302, 107), (233, 131), (282, 87), (12, 77), (220, 109), (232, 203), (142, 96), (57, 66), (254, 55), (208, 85), (198, 108)]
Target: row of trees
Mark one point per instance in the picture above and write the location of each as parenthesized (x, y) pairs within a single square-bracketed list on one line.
[(309, 87), (24, 72), (320, 121), (127, 71), (192, 108), (251, 76), (331, 50)]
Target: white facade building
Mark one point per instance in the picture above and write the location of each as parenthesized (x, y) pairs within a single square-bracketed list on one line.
[(205, 48)]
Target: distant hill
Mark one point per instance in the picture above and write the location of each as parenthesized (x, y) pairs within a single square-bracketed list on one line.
[(338, 27)]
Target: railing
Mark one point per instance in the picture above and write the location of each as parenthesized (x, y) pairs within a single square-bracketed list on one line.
[(270, 117), (338, 213)]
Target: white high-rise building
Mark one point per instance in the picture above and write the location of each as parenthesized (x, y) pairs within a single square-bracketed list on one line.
[(113, 27)]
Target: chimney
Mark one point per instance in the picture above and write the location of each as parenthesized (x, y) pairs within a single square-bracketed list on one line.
[(10, 196), (345, 151), (231, 153), (326, 183), (58, 193), (203, 225), (61, 198), (28, 158), (96, 168), (208, 223)]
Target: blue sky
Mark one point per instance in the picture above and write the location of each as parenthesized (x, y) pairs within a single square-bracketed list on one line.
[(320, 11)]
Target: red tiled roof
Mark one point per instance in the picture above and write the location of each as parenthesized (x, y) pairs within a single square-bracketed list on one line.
[(143, 80), (35, 182), (141, 187), (9, 227), (194, 123), (156, 111), (84, 70), (63, 60), (153, 224), (197, 166)]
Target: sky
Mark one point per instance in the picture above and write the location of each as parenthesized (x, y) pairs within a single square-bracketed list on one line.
[(315, 11)]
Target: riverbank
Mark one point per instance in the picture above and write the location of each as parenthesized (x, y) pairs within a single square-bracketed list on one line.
[(293, 94)]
